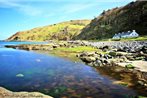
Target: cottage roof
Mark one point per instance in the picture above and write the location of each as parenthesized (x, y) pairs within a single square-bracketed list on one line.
[(123, 34)]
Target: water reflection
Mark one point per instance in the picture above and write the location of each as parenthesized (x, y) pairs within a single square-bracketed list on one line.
[(27, 71)]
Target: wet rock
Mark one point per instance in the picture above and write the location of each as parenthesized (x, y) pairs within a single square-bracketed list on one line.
[(98, 63), (141, 82), (55, 46), (88, 59), (20, 75)]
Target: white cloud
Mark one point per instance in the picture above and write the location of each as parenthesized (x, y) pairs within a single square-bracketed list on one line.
[(74, 1), (72, 6), (21, 7), (77, 7), (29, 10), (32, 10)]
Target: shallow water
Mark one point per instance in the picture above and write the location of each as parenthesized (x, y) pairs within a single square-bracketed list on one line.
[(2, 43), (55, 76)]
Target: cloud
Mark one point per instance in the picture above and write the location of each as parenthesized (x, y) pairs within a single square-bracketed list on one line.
[(29, 8), (31, 11), (21, 7), (72, 1), (77, 7)]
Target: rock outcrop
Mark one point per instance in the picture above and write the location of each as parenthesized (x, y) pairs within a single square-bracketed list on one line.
[(4, 93)]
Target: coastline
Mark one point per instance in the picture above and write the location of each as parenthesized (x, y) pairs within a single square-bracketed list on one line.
[(4, 93), (108, 54), (80, 48)]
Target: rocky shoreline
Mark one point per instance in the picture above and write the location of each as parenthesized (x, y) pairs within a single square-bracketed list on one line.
[(4, 93), (128, 54)]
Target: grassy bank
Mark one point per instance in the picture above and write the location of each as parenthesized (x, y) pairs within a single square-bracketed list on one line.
[(70, 53), (141, 38)]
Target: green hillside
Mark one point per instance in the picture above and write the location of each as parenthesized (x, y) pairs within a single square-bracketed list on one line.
[(61, 31), (120, 19)]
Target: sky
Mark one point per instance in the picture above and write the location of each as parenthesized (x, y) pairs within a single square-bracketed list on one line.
[(19, 15)]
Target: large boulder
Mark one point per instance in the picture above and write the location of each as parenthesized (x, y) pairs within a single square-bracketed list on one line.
[(87, 54), (88, 59), (4, 93)]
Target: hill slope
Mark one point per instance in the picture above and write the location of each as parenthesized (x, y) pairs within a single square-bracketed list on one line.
[(61, 31), (130, 17)]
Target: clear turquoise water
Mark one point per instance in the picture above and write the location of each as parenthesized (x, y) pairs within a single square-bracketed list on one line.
[(55, 76)]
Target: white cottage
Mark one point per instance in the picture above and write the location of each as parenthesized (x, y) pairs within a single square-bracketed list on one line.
[(116, 36), (128, 34)]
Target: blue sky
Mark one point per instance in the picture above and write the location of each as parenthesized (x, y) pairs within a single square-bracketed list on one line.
[(19, 15)]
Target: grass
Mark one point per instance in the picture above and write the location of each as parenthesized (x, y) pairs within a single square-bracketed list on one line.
[(129, 66), (76, 49), (141, 38), (70, 53), (54, 31)]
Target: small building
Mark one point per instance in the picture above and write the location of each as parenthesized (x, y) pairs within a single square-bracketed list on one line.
[(116, 36), (128, 34)]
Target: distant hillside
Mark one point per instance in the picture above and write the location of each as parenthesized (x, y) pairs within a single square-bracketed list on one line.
[(61, 31), (130, 17)]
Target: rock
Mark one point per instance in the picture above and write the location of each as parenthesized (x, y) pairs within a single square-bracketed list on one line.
[(126, 49), (144, 49), (98, 63), (83, 54), (106, 56), (104, 61), (115, 50), (78, 55), (62, 44), (130, 57), (87, 54), (20, 75), (141, 82), (88, 59), (113, 54), (106, 47), (120, 54), (38, 60), (4, 93), (129, 66), (55, 46), (124, 58)]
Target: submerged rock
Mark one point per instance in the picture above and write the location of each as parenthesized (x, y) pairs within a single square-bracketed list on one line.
[(19, 75)]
